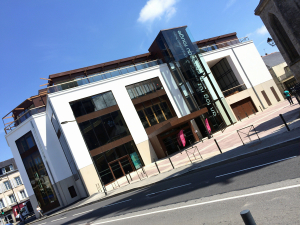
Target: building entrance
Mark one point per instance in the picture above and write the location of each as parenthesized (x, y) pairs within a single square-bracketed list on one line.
[(170, 142), (121, 167)]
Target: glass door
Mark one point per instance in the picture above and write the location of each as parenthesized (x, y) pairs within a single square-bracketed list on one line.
[(126, 165), (121, 167), (116, 169)]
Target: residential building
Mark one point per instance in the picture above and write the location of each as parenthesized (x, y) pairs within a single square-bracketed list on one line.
[(93, 125), (280, 71), (281, 20), (12, 191)]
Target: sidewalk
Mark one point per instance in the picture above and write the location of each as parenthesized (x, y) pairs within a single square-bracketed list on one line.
[(271, 131)]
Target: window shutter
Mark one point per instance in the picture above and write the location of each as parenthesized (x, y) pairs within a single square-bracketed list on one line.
[(8, 200), (4, 202), (12, 184), (19, 196)]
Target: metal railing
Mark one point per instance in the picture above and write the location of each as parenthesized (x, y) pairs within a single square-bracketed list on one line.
[(102, 76), (18, 121), (222, 45), (234, 90)]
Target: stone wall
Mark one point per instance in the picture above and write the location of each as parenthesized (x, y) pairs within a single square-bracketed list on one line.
[(287, 12)]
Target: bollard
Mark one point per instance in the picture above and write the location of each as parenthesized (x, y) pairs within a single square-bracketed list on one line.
[(138, 174), (247, 217), (170, 160), (118, 183), (130, 176), (127, 179), (246, 114), (144, 171), (260, 109), (218, 146), (253, 111), (156, 166), (287, 127), (239, 118)]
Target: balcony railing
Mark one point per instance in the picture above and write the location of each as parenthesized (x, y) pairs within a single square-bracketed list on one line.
[(234, 90), (18, 121), (102, 76), (222, 45)]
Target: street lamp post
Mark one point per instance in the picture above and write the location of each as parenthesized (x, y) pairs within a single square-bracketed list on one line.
[(103, 186), (271, 42)]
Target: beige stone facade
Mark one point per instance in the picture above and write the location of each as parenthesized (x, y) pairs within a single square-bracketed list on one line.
[(283, 23), (11, 184)]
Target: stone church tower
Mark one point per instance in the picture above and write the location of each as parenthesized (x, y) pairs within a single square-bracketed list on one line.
[(282, 19)]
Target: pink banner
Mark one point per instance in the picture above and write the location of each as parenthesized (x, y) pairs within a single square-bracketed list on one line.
[(181, 139), (207, 126)]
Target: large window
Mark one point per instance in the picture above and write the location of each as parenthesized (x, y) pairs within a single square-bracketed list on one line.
[(103, 161), (7, 185), (23, 194), (144, 88), (6, 169), (1, 204), (154, 111), (25, 143), (94, 103), (37, 172), (225, 77), (18, 181), (12, 199), (104, 129)]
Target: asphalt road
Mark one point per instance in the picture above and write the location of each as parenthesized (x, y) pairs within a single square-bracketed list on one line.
[(280, 165)]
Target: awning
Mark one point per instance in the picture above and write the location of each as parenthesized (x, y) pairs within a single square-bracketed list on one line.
[(177, 122)]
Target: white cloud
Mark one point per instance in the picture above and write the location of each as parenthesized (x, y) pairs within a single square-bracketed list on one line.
[(262, 31), (229, 4), (156, 9)]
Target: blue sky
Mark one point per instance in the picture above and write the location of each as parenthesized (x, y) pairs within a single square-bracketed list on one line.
[(39, 38)]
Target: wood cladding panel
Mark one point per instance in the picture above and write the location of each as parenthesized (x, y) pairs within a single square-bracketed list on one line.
[(96, 114), (266, 98), (111, 145), (275, 94), (243, 108)]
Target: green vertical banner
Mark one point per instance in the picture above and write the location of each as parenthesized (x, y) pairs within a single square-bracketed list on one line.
[(136, 161)]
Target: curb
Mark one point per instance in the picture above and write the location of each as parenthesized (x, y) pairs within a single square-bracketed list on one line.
[(193, 170)]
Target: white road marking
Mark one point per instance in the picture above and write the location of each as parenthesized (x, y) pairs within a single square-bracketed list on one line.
[(59, 219), (256, 166), (116, 203), (82, 212), (202, 203), (42, 223), (168, 189)]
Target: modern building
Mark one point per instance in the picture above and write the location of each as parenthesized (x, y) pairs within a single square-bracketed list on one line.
[(280, 71), (93, 125), (13, 193), (281, 20)]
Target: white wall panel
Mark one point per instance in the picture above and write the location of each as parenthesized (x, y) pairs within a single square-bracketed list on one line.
[(11, 137), (61, 105)]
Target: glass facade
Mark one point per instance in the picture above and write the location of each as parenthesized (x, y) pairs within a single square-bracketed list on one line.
[(37, 172), (104, 129), (225, 77), (182, 56), (117, 162), (144, 88), (93, 103), (154, 111)]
